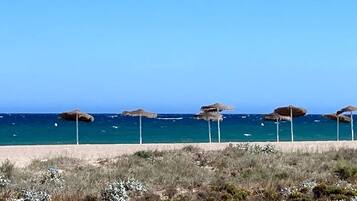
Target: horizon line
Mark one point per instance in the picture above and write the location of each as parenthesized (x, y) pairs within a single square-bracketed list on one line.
[(226, 113)]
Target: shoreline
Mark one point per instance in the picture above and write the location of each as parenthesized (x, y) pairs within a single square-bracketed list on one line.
[(22, 155)]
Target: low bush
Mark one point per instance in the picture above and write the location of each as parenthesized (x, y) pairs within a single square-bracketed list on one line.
[(121, 190), (7, 169), (345, 170)]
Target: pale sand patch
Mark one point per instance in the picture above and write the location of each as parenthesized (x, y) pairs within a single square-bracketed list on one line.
[(23, 155)]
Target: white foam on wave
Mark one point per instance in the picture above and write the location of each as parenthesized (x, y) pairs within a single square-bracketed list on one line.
[(247, 134), (115, 127), (170, 118)]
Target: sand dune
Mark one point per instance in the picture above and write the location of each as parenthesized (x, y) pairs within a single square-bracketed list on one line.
[(22, 155)]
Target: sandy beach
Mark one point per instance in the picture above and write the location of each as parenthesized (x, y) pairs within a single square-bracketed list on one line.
[(23, 155)]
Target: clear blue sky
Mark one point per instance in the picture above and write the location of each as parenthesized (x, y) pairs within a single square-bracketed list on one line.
[(174, 56)]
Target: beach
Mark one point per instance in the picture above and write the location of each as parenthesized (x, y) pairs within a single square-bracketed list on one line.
[(22, 155)]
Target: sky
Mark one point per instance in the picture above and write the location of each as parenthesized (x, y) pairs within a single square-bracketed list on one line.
[(174, 56)]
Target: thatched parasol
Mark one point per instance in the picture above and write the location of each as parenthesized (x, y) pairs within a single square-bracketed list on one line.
[(291, 111), (347, 109), (350, 109), (339, 118), (77, 116), (217, 107), (209, 116), (140, 113), (276, 118)]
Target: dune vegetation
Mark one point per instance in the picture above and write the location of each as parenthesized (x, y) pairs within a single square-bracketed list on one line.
[(240, 172)]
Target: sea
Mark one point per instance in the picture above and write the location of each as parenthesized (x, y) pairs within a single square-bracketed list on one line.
[(43, 129)]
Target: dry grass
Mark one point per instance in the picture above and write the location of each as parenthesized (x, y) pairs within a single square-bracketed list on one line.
[(242, 172)]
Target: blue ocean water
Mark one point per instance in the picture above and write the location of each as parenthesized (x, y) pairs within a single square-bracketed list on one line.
[(19, 129)]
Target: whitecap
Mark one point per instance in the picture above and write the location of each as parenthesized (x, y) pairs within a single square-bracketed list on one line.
[(170, 118), (244, 117), (247, 134), (115, 127), (262, 124), (55, 124), (317, 121)]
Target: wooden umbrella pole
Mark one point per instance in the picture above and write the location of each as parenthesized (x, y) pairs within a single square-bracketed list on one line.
[(77, 130), (338, 128), (352, 131), (141, 130), (219, 128), (277, 130), (292, 125), (209, 131), (219, 131)]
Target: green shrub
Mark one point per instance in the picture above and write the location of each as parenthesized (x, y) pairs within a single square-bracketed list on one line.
[(282, 175), (7, 169), (270, 194), (191, 149), (144, 154), (345, 171), (319, 191), (148, 154), (299, 196), (241, 194)]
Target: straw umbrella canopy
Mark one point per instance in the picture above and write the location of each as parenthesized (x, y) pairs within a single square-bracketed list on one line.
[(341, 118), (217, 107), (291, 111), (276, 118), (77, 115), (209, 116), (140, 113), (338, 118), (350, 109)]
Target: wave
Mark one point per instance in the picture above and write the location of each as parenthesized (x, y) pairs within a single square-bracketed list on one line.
[(170, 118)]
